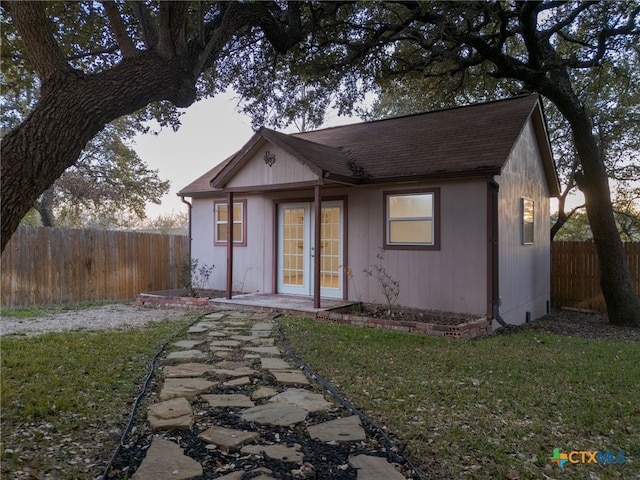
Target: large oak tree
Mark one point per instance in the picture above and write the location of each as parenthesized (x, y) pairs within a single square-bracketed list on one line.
[(98, 62)]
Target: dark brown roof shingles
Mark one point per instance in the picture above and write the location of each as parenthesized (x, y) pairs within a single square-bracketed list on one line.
[(463, 140)]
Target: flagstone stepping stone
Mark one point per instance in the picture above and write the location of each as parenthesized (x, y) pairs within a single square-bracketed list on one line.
[(223, 354), (187, 355), (209, 325), (275, 414), (220, 349), (262, 476), (270, 363), (225, 343), (216, 333), (232, 476), (263, 392), (263, 350), (347, 429), (184, 387), (184, 370), (313, 402), (231, 365), (374, 468), (215, 316), (175, 414), (243, 338), (188, 343), (237, 382), (235, 322), (227, 438), (197, 329), (277, 452), (238, 372), (290, 377), (165, 460), (262, 341), (228, 400)]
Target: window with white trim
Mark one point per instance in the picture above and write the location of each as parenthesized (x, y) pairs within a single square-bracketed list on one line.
[(221, 223), (411, 220), (527, 221)]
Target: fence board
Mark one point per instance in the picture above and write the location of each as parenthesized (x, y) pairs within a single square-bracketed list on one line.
[(575, 274), (49, 265)]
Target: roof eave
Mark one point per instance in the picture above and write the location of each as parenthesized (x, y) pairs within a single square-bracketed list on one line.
[(476, 172), (548, 164)]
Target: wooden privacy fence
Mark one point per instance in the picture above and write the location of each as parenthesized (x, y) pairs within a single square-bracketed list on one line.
[(50, 265), (575, 275)]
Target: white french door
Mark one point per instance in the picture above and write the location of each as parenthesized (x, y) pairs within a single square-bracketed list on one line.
[(296, 251)]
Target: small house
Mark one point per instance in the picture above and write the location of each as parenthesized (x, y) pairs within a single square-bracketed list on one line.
[(452, 204)]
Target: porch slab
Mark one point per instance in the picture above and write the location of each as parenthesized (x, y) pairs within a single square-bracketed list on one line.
[(287, 303)]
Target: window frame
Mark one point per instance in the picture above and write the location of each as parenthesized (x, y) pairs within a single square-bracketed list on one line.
[(435, 219), (524, 221), (242, 221)]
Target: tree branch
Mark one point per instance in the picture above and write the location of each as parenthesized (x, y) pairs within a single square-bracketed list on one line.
[(604, 36), (36, 32), (172, 33), (560, 24), (528, 23), (149, 29), (127, 47)]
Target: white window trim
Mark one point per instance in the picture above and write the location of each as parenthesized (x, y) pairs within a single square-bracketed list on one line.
[(434, 218), (242, 221), (527, 222)]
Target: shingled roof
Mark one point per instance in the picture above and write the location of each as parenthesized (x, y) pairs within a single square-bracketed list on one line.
[(463, 141)]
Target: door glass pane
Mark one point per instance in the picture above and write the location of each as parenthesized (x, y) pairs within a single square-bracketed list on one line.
[(293, 247), (330, 242)]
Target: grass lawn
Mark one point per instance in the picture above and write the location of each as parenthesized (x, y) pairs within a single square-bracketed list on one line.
[(62, 393), (487, 409)]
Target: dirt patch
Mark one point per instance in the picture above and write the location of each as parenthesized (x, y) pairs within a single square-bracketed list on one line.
[(576, 324), (97, 318)]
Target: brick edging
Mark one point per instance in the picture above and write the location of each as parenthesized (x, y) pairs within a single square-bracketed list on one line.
[(472, 329)]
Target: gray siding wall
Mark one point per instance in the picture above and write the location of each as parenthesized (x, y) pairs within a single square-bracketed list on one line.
[(252, 264), (452, 279), (525, 270)]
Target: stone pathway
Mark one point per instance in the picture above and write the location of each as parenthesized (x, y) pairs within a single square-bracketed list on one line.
[(230, 407)]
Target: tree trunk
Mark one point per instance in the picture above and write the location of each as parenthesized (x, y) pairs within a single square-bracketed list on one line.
[(73, 108), (44, 207), (623, 304)]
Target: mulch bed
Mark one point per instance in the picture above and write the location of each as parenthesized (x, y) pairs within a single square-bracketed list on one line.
[(583, 324), (404, 314)]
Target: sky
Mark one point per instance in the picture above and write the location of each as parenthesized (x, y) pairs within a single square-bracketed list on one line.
[(211, 131)]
